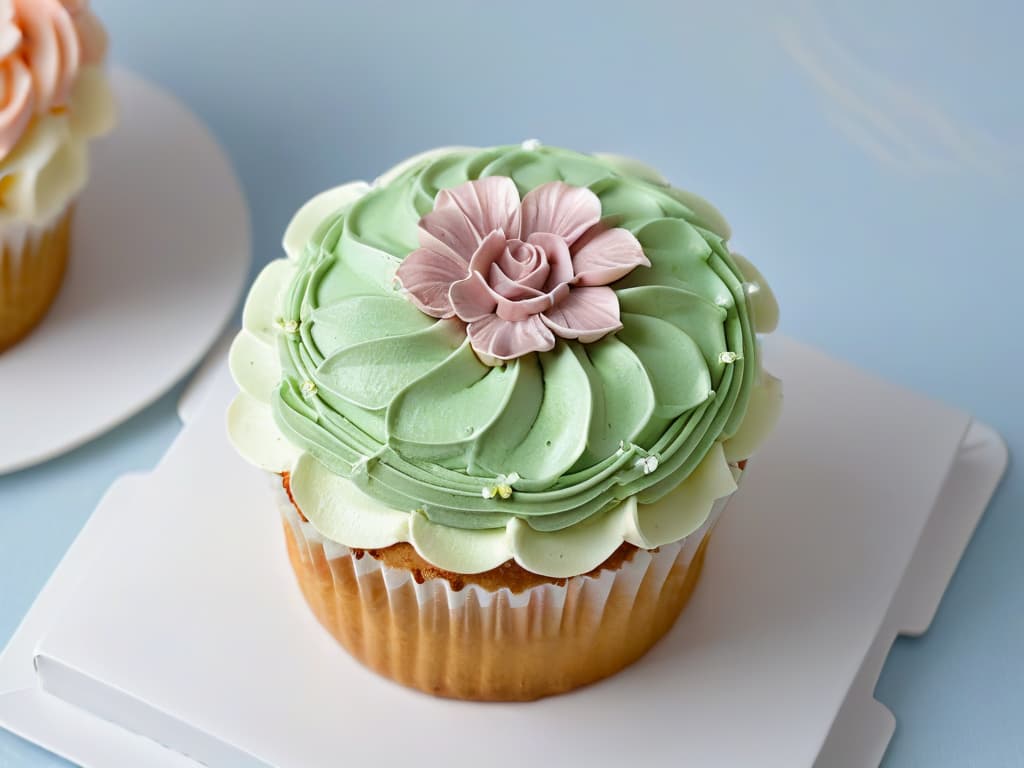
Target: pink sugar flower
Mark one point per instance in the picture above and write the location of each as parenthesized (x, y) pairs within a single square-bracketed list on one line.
[(519, 273)]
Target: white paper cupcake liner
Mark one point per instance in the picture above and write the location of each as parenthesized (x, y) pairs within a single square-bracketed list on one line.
[(505, 644), (32, 265)]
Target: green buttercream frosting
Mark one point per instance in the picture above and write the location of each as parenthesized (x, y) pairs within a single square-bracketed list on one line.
[(398, 403)]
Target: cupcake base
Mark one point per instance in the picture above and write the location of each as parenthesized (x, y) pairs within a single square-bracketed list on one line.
[(31, 271), (492, 645)]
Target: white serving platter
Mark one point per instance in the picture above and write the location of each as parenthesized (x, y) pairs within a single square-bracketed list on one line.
[(173, 627), (160, 251)]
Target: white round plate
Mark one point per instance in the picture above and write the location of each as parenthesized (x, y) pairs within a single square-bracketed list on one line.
[(160, 251)]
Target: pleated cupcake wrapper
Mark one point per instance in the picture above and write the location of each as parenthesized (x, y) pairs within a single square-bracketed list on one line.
[(32, 264), (652, 565), (477, 643), (19, 244)]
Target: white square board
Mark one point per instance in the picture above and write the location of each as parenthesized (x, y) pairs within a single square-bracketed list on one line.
[(186, 624)]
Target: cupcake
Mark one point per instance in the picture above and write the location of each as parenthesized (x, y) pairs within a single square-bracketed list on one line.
[(502, 397), (53, 98)]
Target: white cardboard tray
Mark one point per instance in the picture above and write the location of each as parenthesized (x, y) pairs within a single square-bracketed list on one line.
[(160, 251), (174, 613)]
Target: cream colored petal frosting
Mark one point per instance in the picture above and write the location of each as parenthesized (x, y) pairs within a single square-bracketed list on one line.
[(344, 513), (312, 213), (765, 306), (49, 165)]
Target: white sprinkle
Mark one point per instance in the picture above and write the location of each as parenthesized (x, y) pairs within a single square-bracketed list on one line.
[(648, 464), (729, 357), (308, 388), (751, 288), (723, 301), (502, 487), (531, 145), (288, 326)]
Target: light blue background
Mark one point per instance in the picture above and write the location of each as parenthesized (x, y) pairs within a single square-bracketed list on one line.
[(869, 156)]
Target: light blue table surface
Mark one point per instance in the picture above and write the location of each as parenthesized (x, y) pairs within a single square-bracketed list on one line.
[(870, 157)]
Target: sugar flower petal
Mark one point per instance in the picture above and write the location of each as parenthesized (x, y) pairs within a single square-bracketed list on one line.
[(530, 285), (523, 308), (427, 276), (487, 252), (521, 266), (560, 209), (586, 314), (465, 215), (472, 299), (557, 252), (607, 256), (493, 337), (448, 232)]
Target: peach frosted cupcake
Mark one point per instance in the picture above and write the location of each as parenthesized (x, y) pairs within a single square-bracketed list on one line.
[(503, 395), (53, 98)]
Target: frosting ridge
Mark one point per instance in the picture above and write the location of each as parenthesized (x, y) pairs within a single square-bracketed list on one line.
[(53, 98), (394, 429), (49, 164)]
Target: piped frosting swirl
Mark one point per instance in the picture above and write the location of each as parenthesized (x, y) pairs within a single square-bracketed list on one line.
[(394, 430), (43, 44), (54, 97)]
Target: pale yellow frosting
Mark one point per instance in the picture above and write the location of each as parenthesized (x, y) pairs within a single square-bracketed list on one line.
[(49, 166)]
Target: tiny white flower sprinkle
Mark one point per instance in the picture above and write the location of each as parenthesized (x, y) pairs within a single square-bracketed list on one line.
[(531, 145), (723, 301), (288, 326), (751, 288), (648, 464), (504, 484), (502, 487), (308, 388), (729, 357)]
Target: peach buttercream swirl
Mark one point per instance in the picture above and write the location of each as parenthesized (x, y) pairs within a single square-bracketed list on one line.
[(43, 44)]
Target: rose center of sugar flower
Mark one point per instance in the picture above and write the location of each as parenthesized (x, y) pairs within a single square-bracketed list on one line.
[(524, 265), (519, 273)]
